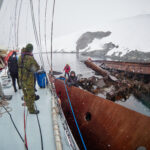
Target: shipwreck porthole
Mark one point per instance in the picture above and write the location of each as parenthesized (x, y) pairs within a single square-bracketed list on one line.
[(141, 148), (88, 116), (59, 93)]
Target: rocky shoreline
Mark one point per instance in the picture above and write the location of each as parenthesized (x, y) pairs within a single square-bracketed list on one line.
[(133, 56)]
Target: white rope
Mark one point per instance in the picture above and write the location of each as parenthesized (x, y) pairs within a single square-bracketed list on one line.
[(26, 27), (11, 40), (35, 32), (18, 23), (10, 31), (15, 23), (52, 23), (39, 22), (45, 37)]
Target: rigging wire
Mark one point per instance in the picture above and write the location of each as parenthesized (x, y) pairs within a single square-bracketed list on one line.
[(18, 23), (10, 14), (3, 16), (26, 27), (10, 31), (3, 10), (52, 24), (14, 15), (39, 22), (35, 32), (15, 22), (45, 37)]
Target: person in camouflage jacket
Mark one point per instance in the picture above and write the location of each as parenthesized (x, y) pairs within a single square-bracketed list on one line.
[(27, 67)]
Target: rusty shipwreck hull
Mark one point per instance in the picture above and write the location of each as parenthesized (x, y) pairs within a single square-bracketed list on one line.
[(96, 68), (132, 67), (104, 124)]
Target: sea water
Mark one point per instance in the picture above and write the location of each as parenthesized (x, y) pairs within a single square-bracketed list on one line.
[(76, 62)]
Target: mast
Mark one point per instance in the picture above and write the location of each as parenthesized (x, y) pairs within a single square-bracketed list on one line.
[(1, 2)]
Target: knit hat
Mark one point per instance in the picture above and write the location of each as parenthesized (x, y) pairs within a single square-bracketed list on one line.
[(29, 48), (23, 50), (14, 53), (72, 72)]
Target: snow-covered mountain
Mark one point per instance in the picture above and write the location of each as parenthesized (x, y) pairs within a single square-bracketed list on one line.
[(117, 39)]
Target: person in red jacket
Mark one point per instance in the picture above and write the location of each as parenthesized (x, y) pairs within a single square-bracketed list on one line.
[(67, 70)]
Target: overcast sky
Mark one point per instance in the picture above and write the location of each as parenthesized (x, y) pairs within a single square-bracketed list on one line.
[(73, 15), (70, 15)]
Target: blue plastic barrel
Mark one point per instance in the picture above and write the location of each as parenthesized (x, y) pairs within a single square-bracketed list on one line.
[(41, 79)]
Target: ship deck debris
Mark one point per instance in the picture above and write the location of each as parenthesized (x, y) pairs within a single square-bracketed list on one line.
[(118, 80)]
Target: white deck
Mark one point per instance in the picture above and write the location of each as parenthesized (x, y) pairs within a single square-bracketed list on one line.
[(9, 138)]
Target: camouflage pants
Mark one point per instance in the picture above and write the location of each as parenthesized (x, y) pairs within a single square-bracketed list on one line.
[(29, 97)]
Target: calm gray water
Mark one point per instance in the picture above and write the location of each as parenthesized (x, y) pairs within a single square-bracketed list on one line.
[(75, 61), (60, 60)]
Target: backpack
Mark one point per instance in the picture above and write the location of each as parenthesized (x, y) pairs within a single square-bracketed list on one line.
[(13, 65)]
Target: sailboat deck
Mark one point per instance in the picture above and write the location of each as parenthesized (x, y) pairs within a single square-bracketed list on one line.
[(9, 138)]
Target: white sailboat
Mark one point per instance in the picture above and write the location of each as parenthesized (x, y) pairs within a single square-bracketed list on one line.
[(21, 130)]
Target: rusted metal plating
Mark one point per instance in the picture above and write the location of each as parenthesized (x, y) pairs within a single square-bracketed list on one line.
[(138, 68), (104, 125)]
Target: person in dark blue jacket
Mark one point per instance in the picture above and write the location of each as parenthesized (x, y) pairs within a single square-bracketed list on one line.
[(13, 69), (72, 80)]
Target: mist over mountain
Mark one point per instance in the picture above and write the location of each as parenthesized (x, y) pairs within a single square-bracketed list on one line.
[(124, 39), (88, 38)]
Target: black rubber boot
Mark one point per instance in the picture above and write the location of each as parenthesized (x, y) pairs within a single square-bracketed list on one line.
[(35, 112), (22, 98), (37, 97)]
